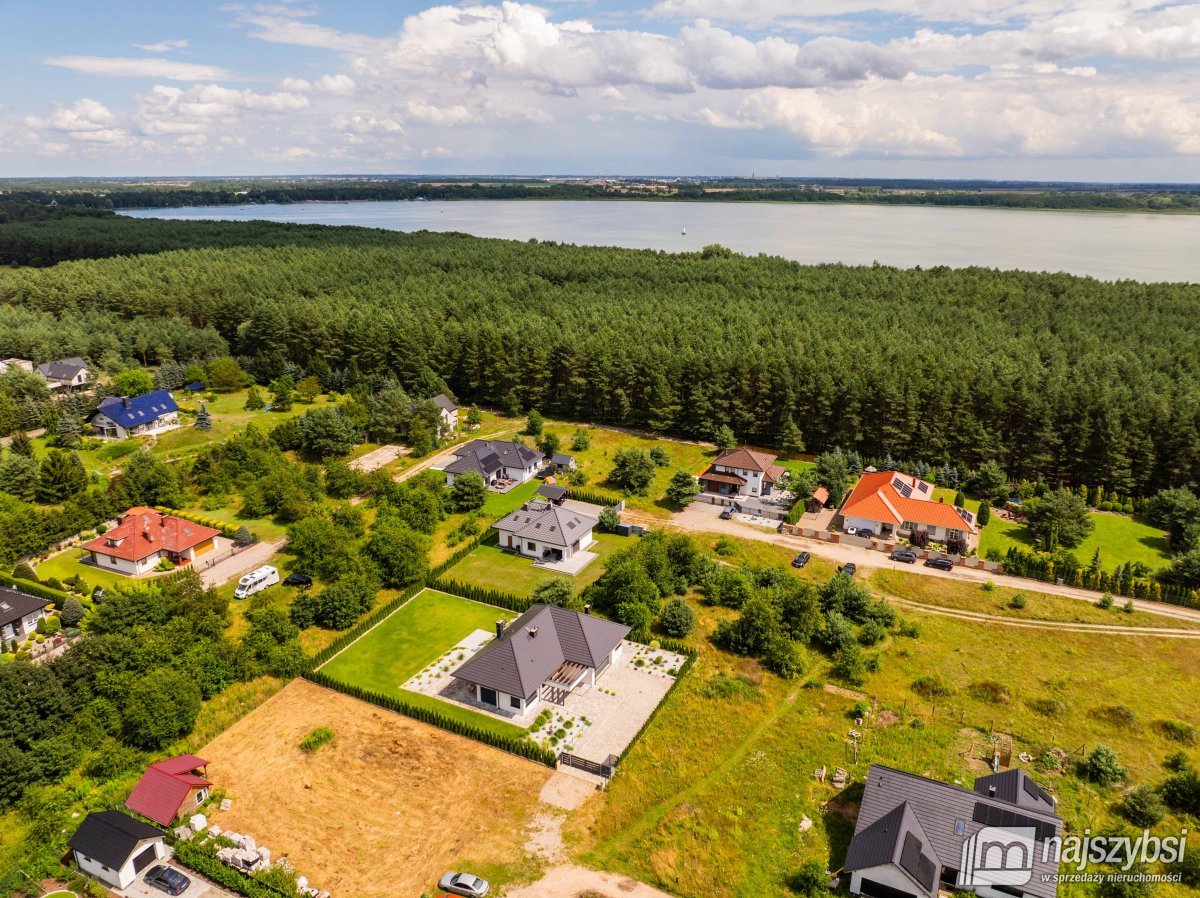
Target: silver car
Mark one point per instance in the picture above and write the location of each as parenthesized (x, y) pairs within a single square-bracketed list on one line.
[(464, 884)]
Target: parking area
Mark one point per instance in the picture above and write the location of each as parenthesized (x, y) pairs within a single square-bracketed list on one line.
[(199, 887)]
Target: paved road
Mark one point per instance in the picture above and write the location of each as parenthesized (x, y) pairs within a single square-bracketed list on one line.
[(32, 434), (704, 517), (233, 568)]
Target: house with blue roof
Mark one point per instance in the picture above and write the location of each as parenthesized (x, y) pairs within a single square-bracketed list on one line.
[(119, 417)]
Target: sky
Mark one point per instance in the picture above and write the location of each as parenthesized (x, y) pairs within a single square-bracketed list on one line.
[(1081, 90)]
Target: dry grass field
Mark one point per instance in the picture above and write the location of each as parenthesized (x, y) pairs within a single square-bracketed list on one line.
[(385, 808)]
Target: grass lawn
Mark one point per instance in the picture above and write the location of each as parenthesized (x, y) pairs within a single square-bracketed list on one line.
[(67, 564), (414, 636), (496, 506), (711, 800), (1119, 538), (490, 567)]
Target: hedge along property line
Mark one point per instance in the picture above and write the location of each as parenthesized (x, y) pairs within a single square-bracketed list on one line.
[(594, 498), (37, 589), (206, 864), (482, 594), (229, 531), (1020, 563), (521, 747), (690, 653)]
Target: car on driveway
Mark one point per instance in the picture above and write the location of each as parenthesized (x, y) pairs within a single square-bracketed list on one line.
[(849, 569), (941, 564), (166, 879), (908, 556), (301, 580), (727, 513), (802, 559), (464, 884), (861, 532)]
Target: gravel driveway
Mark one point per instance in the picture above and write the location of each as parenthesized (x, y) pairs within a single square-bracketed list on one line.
[(233, 568)]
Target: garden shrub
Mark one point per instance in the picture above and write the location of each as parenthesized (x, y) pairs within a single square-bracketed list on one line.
[(990, 691), (1178, 731), (932, 687), (314, 740), (1102, 767)]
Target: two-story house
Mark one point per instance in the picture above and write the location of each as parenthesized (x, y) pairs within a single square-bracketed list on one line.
[(741, 472)]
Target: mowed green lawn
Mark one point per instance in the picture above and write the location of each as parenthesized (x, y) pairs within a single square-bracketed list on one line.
[(490, 567), (1119, 538), (414, 636), (67, 564)]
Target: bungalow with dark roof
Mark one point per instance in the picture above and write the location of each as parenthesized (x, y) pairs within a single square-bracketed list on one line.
[(497, 461), (144, 536), (545, 531), (545, 654), (916, 837), (890, 504), (741, 472), (115, 848), (118, 417), (175, 787), (19, 613), (64, 374)]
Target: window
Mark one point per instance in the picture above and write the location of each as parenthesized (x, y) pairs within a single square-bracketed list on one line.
[(514, 702), (960, 827)]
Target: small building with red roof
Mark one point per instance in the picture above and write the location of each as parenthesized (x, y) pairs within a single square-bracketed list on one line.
[(144, 536), (892, 504), (170, 789), (741, 472)]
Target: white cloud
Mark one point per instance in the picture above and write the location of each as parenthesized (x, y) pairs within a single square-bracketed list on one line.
[(424, 113), (436, 153), (163, 46), (149, 67), (339, 85)]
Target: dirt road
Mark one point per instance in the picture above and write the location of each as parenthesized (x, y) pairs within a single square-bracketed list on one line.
[(703, 517), (1065, 626), (570, 881)]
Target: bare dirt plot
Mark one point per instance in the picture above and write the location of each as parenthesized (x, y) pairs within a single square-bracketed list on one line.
[(384, 809), (377, 458)]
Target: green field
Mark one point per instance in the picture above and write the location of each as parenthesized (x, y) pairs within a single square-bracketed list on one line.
[(490, 567), (1120, 539), (414, 636), (66, 564)]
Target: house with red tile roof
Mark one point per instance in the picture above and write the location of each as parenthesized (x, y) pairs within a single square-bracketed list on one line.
[(170, 789), (891, 504), (144, 536), (741, 472)]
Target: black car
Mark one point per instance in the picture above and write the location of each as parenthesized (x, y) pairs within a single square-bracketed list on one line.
[(941, 564), (848, 569), (802, 559), (167, 879), (908, 556), (301, 580), (727, 513)]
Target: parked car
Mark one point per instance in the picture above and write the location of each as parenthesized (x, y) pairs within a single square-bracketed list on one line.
[(464, 884), (941, 564), (861, 532), (848, 569), (908, 556), (301, 580), (727, 513), (256, 581), (802, 559), (167, 879)]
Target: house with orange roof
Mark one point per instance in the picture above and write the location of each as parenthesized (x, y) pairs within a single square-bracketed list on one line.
[(144, 536), (741, 472), (891, 504)]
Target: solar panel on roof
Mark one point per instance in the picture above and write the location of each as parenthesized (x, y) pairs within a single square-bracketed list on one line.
[(910, 856), (902, 488)]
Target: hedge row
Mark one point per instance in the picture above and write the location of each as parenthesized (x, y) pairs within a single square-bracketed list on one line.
[(229, 531), (482, 594), (1020, 563), (513, 745), (36, 589), (594, 498), (362, 627), (198, 858)]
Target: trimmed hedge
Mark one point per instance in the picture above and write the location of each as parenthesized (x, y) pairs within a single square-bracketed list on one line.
[(196, 857), (517, 746), (36, 589), (229, 531), (483, 594), (1034, 566), (602, 499), (670, 645)]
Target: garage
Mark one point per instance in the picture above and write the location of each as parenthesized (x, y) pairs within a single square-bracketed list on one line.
[(145, 859)]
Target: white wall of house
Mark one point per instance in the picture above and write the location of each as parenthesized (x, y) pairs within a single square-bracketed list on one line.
[(518, 474), (124, 877), (19, 629), (534, 549), (876, 526), (105, 427), (124, 565), (514, 704), (884, 874), (755, 484), (449, 421)]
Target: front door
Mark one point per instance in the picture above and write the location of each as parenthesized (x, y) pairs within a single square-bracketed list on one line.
[(487, 696)]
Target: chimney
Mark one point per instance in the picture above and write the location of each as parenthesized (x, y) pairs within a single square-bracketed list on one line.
[(125, 401), (587, 609), (500, 625), (991, 791), (533, 632)]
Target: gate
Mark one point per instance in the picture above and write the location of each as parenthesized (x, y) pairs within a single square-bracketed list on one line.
[(606, 769)]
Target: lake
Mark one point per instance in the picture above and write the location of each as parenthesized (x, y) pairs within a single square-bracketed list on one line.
[(1109, 246)]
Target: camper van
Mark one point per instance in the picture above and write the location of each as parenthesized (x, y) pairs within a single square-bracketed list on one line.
[(256, 581)]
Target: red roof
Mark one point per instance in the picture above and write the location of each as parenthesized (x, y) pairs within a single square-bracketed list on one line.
[(711, 473), (748, 459), (879, 496), (164, 786), (821, 494), (141, 532)]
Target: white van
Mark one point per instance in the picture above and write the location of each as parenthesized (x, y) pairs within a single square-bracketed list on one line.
[(256, 581)]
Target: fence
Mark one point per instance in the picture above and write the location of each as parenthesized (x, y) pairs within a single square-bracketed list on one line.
[(605, 769)]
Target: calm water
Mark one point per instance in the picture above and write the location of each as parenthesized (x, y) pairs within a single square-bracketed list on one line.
[(1106, 246)]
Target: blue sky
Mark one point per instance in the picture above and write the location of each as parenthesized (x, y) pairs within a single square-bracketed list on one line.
[(1043, 89)]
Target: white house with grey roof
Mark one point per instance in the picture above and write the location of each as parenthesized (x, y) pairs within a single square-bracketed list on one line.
[(500, 463), (64, 374), (544, 531), (19, 613), (915, 836), (448, 413), (543, 655)]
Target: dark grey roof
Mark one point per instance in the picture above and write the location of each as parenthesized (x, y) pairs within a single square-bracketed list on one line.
[(553, 493), (15, 604), (485, 462), (444, 402), (1015, 787), (561, 458), (62, 369), (512, 455), (547, 523), (536, 643), (110, 837), (940, 808), (896, 838)]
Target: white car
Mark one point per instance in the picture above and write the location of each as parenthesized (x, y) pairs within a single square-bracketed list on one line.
[(256, 581), (464, 884)]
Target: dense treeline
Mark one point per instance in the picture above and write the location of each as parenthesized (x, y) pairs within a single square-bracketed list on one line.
[(1055, 376)]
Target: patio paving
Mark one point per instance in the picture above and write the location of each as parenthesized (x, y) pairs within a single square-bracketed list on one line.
[(572, 565)]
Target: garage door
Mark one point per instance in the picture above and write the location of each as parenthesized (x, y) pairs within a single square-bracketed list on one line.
[(873, 889), (145, 859)]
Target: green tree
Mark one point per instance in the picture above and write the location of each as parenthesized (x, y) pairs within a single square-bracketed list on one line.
[(72, 612), (19, 476), (204, 418), (1101, 765), (243, 537), (254, 400), (990, 482), (677, 618), (1143, 807), (474, 416), (326, 432), (148, 480), (309, 388), (1059, 519), (753, 631), (581, 440), (785, 658), (724, 438), (21, 444), (133, 382), (632, 470), (61, 477), (341, 480), (834, 471), (682, 488), (281, 394), (401, 552), (534, 423), (469, 492), (791, 439), (69, 429), (160, 706), (225, 375), (960, 499), (320, 547), (346, 600), (549, 444), (984, 513), (558, 591), (610, 519)]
